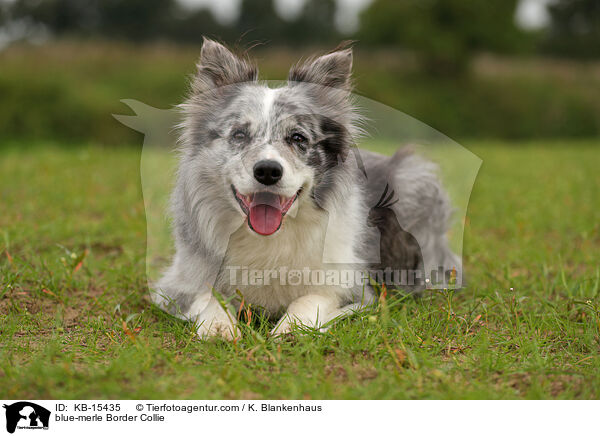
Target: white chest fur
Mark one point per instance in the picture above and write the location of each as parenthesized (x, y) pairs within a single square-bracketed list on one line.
[(265, 269)]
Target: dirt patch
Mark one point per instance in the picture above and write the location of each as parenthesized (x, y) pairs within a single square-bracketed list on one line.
[(357, 366)]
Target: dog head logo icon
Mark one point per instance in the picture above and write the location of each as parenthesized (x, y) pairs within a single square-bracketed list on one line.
[(26, 415)]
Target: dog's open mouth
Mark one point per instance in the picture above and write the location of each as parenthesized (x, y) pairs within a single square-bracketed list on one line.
[(265, 210)]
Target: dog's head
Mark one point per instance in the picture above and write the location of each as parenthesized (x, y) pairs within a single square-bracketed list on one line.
[(272, 149)]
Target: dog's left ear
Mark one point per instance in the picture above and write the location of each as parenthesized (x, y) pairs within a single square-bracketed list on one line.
[(333, 70)]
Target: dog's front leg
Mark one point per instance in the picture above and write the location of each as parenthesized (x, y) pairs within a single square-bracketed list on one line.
[(178, 293), (210, 316), (310, 310)]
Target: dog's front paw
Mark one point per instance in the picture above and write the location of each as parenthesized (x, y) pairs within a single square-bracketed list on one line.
[(216, 321), (224, 329), (289, 324), (283, 327), (309, 311)]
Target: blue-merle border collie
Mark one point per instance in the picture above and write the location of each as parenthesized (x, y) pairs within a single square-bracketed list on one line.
[(275, 207)]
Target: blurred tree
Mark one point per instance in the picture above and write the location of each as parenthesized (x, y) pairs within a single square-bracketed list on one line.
[(3, 14), (141, 20), (136, 19), (59, 16), (259, 21), (315, 24), (129, 19), (574, 29), (191, 26), (443, 33)]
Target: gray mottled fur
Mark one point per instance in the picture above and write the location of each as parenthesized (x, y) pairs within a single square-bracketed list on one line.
[(327, 226)]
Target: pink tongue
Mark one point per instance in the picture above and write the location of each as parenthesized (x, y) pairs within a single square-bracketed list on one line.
[(265, 219)]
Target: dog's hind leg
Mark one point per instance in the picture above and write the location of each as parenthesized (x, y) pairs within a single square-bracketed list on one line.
[(425, 211), (420, 207)]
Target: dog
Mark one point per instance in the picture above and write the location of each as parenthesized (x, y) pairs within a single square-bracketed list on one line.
[(274, 203)]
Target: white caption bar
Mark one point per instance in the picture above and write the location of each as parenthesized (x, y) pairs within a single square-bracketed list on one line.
[(290, 417)]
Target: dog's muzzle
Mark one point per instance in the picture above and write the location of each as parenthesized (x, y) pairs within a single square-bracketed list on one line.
[(265, 210)]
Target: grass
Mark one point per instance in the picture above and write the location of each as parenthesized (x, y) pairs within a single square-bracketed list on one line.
[(75, 320)]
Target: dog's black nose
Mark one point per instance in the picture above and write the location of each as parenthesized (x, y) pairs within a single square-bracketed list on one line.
[(268, 172)]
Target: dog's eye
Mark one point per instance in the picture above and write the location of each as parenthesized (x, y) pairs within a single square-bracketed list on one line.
[(299, 138), (239, 135)]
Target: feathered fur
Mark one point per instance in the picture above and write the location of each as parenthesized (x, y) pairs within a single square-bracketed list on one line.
[(231, 122)]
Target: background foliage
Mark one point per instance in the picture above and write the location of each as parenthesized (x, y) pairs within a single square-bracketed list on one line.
[(464, 68)]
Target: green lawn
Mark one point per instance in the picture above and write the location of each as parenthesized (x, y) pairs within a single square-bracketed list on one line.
[(75, 320)]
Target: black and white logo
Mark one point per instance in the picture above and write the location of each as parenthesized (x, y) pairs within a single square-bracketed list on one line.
[(26, 415)]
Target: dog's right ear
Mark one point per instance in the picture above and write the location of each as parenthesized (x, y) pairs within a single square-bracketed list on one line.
[(218, 66)]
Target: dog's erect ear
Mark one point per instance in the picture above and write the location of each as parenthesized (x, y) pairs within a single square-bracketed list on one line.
[(333, 70), (218, 66)]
